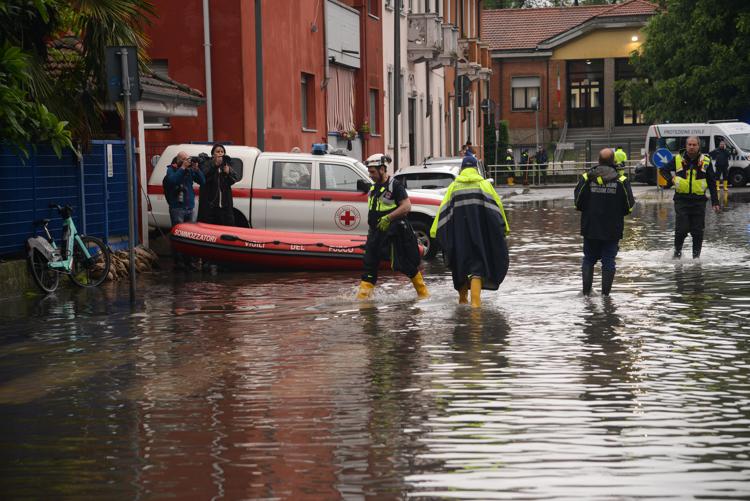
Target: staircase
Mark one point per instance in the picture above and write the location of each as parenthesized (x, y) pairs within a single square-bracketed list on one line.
[(632, 136)]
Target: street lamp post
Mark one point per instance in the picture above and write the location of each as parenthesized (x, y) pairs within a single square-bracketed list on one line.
[(535, 105)]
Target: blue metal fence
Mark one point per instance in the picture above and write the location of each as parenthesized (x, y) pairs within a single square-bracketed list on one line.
[(95, 186)]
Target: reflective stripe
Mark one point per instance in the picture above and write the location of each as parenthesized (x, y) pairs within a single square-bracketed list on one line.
[(482, 200)]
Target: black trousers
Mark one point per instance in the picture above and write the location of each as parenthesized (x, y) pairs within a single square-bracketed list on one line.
[(398, 245), (690, 217)]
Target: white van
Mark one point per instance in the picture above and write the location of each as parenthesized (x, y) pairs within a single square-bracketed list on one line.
[(674, 136), (295, 192)]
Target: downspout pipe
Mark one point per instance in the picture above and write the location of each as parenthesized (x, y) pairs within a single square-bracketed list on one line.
[(260, 112), (207, 60)]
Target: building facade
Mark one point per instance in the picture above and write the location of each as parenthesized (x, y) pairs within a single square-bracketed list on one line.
[(438, 41), (555, 69), (311, 74)]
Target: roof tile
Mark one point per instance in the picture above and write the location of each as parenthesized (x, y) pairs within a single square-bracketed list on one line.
[(524, 29)]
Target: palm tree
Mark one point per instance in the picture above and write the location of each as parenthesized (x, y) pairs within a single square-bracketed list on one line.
[(63, 48)]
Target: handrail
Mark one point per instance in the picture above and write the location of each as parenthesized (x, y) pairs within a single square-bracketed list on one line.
[(561, 139), (533, 172)]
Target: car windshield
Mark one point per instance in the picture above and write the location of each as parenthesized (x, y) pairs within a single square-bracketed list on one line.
[(742, 141), (425, 180)]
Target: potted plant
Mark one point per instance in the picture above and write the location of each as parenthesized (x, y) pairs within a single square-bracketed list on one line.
[(348, 135), (364, 129)]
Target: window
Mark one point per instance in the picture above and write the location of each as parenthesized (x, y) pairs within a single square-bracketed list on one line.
[(625, 112), (374, 111), (675, 143), (525, 90), (337, 177), (291, 175), (307, 95), (425, 181)]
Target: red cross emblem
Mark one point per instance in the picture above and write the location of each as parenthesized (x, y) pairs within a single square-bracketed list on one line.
[(347, 217)]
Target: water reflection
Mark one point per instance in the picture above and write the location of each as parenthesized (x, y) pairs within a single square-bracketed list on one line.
[(259, 386)]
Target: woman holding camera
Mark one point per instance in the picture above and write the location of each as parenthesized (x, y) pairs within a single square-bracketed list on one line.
[(215, 204)]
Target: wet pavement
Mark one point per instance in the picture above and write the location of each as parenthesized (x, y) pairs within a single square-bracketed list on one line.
[(280, 386)]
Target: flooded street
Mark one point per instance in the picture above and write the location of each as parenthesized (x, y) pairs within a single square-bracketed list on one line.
[(281, 386)]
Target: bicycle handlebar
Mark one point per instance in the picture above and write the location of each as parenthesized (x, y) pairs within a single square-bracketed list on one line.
[(61, 209)]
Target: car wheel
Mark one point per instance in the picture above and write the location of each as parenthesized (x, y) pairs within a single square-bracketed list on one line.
[(422, 232), (737, 178)]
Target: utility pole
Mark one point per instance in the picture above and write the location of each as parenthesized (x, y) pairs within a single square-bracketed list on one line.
[(396, 81), (129, 168)]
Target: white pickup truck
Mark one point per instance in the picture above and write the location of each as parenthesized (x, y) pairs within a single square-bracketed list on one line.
[(295, 192)]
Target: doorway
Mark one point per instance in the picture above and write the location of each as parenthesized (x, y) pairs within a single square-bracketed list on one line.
[(585, 93)]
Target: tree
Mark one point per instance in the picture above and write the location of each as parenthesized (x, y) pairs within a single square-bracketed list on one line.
[(25, 119), (695, 62), (52, 92), (532, 4)]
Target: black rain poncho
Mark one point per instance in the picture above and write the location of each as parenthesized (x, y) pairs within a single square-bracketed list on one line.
[(471, 227)]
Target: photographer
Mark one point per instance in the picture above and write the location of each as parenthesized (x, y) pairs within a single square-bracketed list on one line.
[(215, 204), (178, 190)]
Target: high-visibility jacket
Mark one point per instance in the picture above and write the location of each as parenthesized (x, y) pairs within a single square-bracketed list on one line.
[(604, 198), (383, 199), (692, 178)]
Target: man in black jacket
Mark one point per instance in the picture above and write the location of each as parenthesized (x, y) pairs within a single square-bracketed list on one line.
[(604, 198), (721, 156), (691, 177)]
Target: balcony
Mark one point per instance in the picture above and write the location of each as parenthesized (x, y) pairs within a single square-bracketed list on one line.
[(450, 50), (485, 60), (469, 64), (424, 37)]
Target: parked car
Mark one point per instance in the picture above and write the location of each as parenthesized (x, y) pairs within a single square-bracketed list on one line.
[(296, 192), (434, 174)]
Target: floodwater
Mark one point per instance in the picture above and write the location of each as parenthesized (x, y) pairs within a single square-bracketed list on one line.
[(280, 386)]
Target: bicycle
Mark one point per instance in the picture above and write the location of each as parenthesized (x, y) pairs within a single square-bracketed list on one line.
[(86, 260)]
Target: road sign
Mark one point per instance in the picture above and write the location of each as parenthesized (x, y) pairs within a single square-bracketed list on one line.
[(566, 146), (113, 68), (661, 157)]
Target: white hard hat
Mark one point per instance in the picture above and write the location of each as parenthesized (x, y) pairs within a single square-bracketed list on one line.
[(377, 160)]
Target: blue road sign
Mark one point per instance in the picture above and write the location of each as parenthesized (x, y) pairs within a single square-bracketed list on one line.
[(662, 157)]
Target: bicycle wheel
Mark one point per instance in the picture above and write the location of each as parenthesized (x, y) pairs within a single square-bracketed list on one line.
[(90, 272), (46, 278)]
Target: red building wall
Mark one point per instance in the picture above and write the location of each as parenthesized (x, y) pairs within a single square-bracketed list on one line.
[(551, 114), (290, 47)]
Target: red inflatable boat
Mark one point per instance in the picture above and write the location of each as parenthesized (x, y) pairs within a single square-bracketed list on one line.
[(262, 249)]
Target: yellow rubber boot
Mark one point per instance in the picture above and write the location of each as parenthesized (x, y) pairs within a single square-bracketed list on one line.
[(476, 291), (718, 185), (365, 290), (726, 185), (463, 294), (419, 286)]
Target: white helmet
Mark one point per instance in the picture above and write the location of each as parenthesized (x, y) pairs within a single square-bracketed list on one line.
[(377, 160)]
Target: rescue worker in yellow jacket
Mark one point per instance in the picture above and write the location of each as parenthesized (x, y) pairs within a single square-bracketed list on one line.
[(691, 177), (621, 159), (471, 227), (390, 235)]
